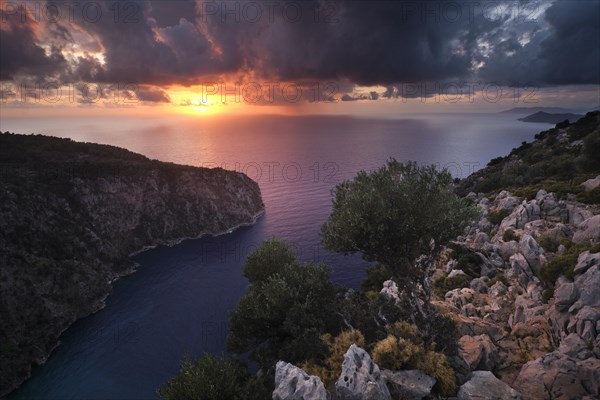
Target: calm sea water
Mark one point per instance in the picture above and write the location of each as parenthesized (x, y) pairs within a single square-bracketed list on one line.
[(178, 301)]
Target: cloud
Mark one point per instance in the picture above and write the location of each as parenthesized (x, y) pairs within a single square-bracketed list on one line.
[(152, 94), (20, 54), (155, 43)]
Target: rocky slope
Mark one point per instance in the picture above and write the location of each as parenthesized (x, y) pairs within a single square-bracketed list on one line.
[(522, 283), (71, 213)]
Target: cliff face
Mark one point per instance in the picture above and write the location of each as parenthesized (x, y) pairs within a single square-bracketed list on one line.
[(71, 213)]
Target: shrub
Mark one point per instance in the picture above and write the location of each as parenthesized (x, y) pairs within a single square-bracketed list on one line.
[(375, 277), (330, 369), (551, 241), (497, 278), (564, 264), (404, 348), (547, 294), (214, 378), (496, 217), (443, 285), (591, 197), (268, 259), (510, 235)]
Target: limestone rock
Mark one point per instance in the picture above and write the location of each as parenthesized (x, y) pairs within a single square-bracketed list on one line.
[(591, 184), (564, 295), (533, 252), (588, 230), (479, 285), (574, 346), (410, 384), (292, 383), (390, 290), (479, 352), (585, 261), (484, 385), (361, 378), (558, 376)]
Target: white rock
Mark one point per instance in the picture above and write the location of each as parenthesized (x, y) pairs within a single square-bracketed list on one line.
[(361, 378), (292, 383)]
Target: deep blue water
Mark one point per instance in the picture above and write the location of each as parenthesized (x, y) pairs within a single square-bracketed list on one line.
[(178, 300)]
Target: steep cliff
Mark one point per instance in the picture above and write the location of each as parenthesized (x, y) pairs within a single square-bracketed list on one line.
[(71, 213)]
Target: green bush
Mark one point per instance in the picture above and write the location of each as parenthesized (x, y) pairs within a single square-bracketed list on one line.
[(215, 378), (375, 277), (510, 235), (268, 259), (496, 217), (550, 242), (498, 278), (591, 197), (564, 264), (444, 284)]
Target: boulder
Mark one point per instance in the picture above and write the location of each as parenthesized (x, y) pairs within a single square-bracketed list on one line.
[(456, 272), (489, 268), (292, 383), (497, 290), (588, 285), (519, 271), (584, 322), (591, 184), (479, 285), (484, 385), (585, 261), (479, 352), (409, 385), (533, 252), (560, 377), (588, 230), (574, 346), (565, 295), (577, 215), (361, 378), (390, 291), (480, 239)]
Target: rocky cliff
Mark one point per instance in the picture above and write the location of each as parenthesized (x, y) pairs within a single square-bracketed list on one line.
[(522, 283), (71, 213)]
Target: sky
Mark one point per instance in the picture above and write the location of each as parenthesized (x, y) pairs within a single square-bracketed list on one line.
[(290, 57)]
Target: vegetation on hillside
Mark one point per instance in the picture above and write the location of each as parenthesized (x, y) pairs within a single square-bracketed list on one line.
[(559, 160)]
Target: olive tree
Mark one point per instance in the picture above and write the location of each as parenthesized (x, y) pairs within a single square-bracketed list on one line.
[(399, 215)]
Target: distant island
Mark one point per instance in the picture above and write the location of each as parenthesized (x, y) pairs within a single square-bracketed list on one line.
[(533, 110), (71, 215), (549, 118)]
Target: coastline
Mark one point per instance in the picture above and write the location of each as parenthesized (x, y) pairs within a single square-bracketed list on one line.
[(101, 303)]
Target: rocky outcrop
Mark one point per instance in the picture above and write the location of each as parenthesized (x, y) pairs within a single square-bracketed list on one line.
[(559, 376), (588, 230), (72, 213), (361, 378), (409, 385), (484, 385), (543, 349), (591, 184), (479, 352), (292, 383)]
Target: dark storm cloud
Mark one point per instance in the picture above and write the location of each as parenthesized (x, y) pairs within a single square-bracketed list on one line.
[(19, 52), (566, 52), (152, 94), (154, 42)]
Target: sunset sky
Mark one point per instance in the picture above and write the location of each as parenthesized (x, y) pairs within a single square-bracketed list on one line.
[(339, 57)]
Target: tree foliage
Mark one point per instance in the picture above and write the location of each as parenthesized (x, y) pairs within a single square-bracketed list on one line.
[(284, 316), (215, 378), (268, 260), (395, 214)]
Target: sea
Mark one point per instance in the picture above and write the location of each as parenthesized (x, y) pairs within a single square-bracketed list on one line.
[(177, 303)]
